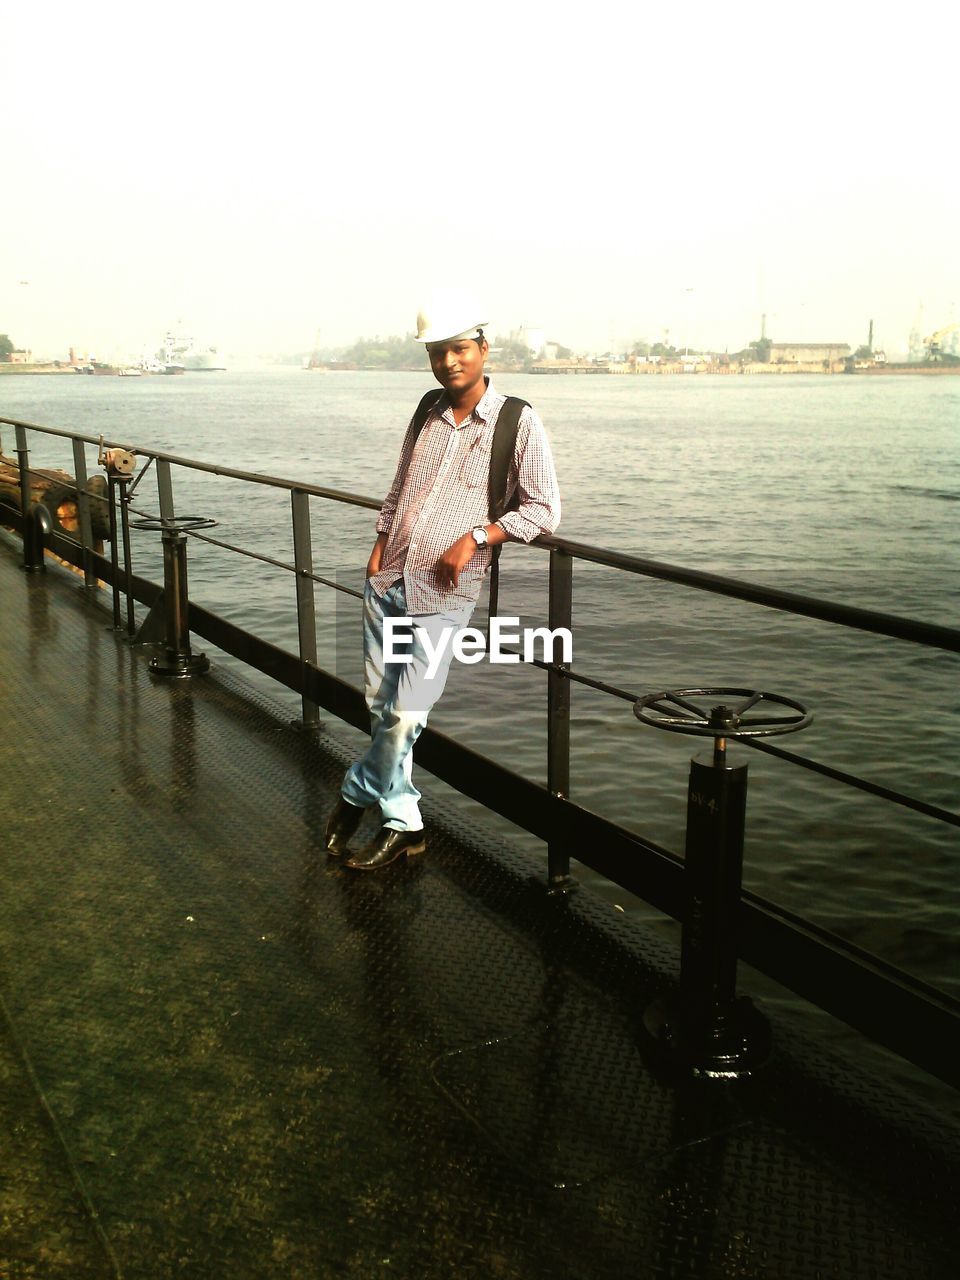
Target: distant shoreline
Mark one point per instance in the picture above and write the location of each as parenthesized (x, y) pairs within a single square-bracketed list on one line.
[(582, 370)]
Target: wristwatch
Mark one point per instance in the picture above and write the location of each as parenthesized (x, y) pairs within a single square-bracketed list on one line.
[(479, 535)]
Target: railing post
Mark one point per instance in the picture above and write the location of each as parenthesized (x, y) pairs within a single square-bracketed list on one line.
[(306, 606), (558, 718), (117, 485), (114, 553), (36, 530), (23, 462), (83, 510), (127, 554)]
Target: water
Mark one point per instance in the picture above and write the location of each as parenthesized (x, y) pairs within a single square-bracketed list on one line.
[(845, 488)]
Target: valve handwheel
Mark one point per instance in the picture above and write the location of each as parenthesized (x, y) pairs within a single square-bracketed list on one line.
[(177, 523), (676, 711)]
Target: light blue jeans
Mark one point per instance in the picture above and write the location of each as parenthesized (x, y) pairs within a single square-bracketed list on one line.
[(400, 696)]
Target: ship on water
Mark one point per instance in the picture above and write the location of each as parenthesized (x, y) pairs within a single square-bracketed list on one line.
[(181, 353)]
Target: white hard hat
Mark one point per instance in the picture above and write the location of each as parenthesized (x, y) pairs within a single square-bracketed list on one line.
[(450, 316)]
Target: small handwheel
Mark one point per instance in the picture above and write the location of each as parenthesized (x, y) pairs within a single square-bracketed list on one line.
[(676, 711), (179, 524)]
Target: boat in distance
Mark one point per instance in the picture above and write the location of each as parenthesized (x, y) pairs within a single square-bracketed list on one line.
[(183, 354)]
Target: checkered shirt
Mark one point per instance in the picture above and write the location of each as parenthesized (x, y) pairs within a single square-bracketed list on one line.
[(440, 492)]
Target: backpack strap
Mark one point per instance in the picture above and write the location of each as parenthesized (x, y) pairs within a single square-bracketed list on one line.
[(424, 409), (501, 455)]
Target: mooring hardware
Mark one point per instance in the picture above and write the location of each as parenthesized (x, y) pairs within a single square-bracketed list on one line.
[(118, 462), (177, 660)]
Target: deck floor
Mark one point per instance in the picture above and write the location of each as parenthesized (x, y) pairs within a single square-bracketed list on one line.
[(222, 1055)]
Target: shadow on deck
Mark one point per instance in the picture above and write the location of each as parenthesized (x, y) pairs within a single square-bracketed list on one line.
[(223, 1056)]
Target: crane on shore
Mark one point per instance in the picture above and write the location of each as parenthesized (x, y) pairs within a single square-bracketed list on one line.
[(933, 344)]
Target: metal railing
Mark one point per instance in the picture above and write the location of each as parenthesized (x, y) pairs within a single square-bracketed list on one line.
[(914, 1019)]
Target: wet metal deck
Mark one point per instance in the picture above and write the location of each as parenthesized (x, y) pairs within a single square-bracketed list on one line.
[(223, 1056)]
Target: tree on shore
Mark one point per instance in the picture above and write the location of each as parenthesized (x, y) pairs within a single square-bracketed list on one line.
[(386, 353), (512, 351), (6, 347), (407, 353)]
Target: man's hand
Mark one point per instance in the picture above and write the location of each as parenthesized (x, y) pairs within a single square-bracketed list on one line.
[(453, 561), (376, 555)]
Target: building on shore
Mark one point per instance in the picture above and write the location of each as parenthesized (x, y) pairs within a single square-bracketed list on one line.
[(808, 352)]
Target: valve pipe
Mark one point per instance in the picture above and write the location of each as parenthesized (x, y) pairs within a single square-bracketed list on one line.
[(716, 819), (177, 660)]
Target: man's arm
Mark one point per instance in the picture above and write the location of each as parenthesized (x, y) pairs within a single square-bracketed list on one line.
[(456, 558), (385, 518), (389, 507), (373, 565), (539, 508)]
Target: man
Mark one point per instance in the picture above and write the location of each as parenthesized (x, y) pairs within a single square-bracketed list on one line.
[(434, 545)]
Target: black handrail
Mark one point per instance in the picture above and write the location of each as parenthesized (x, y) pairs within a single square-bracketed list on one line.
[(868, 620), (871, 620), (857, 987)]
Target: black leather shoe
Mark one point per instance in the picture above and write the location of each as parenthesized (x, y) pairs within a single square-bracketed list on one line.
[(388, 846), (342, 823)]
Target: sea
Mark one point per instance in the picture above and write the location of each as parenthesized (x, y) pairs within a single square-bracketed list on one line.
[(843, 488)]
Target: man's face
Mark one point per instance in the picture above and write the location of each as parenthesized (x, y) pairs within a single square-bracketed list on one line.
[(458, 365)]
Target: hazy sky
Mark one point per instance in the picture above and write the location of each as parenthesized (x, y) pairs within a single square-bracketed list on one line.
[(600, 171)]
